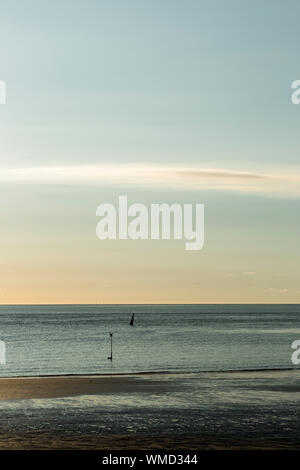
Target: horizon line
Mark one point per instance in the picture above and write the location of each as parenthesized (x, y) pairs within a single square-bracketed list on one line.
[(152, 303)]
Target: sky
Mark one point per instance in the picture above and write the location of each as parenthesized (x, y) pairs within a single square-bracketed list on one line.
[(171, 101)]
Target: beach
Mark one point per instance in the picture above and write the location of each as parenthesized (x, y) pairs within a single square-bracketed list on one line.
[(212, 410)]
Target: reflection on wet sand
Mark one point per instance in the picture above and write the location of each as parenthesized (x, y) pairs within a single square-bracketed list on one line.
[(237, 409)]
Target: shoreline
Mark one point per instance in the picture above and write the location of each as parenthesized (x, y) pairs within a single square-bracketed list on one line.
[(147, 373)]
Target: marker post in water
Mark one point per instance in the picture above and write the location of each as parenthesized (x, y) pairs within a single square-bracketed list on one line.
[(111, 343)]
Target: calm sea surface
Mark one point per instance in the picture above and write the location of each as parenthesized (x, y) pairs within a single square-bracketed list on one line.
[(74, 339)]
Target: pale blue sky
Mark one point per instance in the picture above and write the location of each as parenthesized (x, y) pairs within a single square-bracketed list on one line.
[(201, 84), (207, 82)]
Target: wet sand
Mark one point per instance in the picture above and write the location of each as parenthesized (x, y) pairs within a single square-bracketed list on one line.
[(65, 386), (144, 442), (17, 388), (235, 410)]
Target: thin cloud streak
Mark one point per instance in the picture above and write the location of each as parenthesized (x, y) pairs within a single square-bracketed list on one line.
[(156, 176)]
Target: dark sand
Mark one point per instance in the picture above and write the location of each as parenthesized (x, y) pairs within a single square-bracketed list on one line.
[(144, 442)]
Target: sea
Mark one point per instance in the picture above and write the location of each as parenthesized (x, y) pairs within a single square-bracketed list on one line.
[(224, 372), (75, 339)]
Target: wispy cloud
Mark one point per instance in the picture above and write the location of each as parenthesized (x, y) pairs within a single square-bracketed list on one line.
[(283, 184), (277, 290), (240, 275)]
